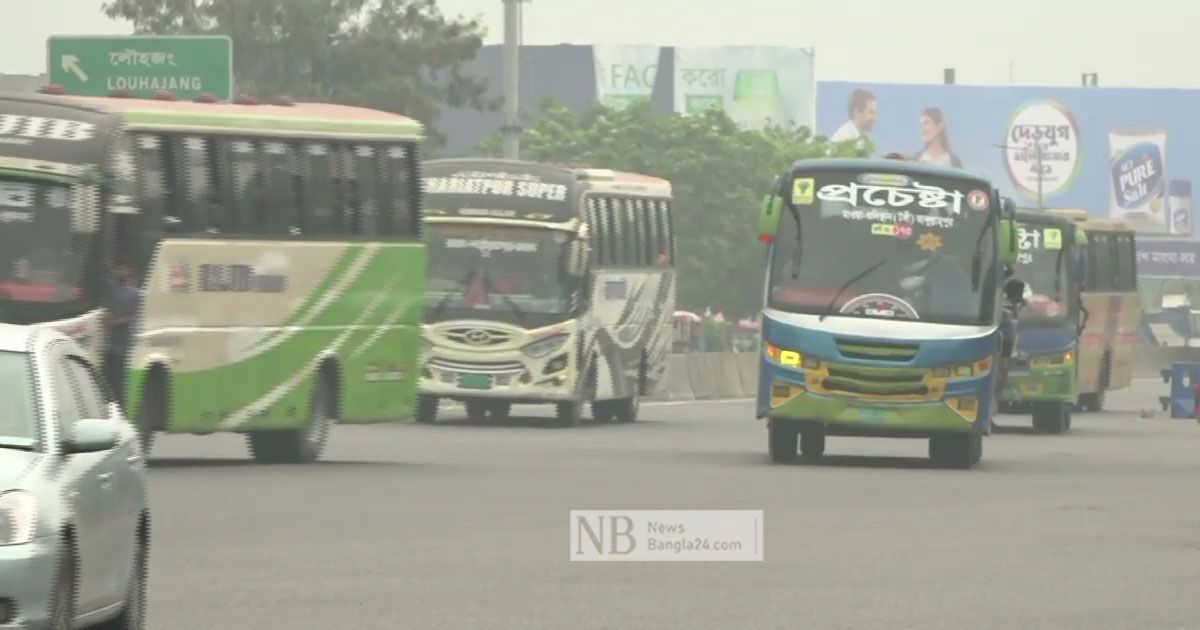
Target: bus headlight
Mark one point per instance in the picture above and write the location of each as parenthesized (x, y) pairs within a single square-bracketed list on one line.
[(18, 516), (790, 358), (542, 347), (978, 368), (1052, 360)]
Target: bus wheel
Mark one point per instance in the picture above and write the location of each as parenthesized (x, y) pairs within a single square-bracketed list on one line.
[(1093, 402), (603, 411), (427, 409), (500, 411), (304, 445), (960, 450), (570, 413), (152, 413), (477, 410), (812, 443), (626, 409), (1052, 417), (782, 438)]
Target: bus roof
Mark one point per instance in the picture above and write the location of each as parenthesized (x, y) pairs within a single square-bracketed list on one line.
[(892, 166), (1090, 223), (603, 179), (299, 119), (1031, 215)]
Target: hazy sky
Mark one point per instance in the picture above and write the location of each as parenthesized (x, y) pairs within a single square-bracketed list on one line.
[(1148, 43)]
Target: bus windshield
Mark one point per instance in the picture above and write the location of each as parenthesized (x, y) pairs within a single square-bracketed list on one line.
[(38, 261), (1043, 264), (886, 246), (498, 272)]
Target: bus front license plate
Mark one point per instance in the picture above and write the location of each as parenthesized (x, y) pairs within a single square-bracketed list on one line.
[(475, 381)]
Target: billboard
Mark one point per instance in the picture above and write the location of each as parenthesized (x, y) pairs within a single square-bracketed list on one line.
[(754, 85), (624, 74), (1120, 153)]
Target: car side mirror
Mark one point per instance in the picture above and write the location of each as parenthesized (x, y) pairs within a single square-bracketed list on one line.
[(92, 436)]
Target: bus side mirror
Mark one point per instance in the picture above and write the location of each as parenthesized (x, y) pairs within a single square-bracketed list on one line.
[(768, 218), (1008, 241)]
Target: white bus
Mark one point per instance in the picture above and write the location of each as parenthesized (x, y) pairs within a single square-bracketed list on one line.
[(546, 284)]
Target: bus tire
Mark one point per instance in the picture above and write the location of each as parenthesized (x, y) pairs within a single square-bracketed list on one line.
[(152, 412), (603, 411), (812, 443), (427, 409), (958, 450), (500, 411), (782, 440), (477, 410), (569, 413), (303, 445), (1052, 417), (626, 409)]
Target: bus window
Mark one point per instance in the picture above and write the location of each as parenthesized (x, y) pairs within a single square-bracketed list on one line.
[(591, 214), (649, 218), (634, 249), (667, 227), (193, 176), (398, 172), (243, 187), (608, 231), (368, 191), (279, 170), (345, 190), (1104, 264), (151, 167), (317, 190)]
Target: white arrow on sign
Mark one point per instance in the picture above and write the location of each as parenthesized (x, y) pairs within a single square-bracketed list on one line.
[(70, 63)]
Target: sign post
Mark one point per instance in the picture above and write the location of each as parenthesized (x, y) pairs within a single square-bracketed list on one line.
[(186, 65)]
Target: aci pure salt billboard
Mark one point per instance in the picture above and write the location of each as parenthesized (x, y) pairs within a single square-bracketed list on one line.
[(1120, 153)]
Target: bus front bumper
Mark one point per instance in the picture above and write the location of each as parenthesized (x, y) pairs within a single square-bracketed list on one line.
[(514, 378), (1040, 385), (848, 417)]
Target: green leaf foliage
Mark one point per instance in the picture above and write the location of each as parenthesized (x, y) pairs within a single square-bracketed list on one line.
[(402, 56), (719, 174)]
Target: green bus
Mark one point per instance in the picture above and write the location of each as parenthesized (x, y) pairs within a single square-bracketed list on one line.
[(277, 248)]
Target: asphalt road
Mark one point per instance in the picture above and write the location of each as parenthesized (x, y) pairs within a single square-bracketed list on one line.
[(460, 526)]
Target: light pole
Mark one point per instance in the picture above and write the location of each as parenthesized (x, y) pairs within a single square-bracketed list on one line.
[(511, 128), (1037, 150)]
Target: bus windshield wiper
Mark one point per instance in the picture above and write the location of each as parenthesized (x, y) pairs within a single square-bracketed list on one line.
[(860, 276), (445, 301), (508, 301)]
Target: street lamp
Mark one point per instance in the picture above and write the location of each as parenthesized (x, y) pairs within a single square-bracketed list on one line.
[(1037, 150), (511, 129)]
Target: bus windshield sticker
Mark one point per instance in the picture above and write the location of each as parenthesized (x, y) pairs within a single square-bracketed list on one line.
[(978, 200), (802, 191), (487, 246), (888, 216), (929, 242), (927, 197), (495, 186), (1052, 237)]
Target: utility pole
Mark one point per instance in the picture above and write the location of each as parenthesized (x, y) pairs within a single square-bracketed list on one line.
[(512, 79)]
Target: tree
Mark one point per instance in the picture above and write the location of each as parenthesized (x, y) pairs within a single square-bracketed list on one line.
[(402, 56), (719, 174)]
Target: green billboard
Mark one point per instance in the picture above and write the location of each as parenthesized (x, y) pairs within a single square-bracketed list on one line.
[(186, 65)]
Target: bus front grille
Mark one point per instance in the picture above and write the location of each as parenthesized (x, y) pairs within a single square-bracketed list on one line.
[(477, 367), (899, 385), (877, 351)]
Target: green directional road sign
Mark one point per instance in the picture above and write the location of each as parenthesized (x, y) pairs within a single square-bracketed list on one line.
[(94, 65)]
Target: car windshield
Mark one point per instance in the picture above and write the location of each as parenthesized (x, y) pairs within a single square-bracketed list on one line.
[(498, 272), (18, 420), (39, 264), (886, 246), (1042, 264)]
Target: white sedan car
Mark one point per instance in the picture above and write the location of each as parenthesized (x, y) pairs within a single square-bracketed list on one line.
[(74, 517)]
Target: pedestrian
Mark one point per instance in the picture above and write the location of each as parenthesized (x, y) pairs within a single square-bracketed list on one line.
[(123, 306)]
